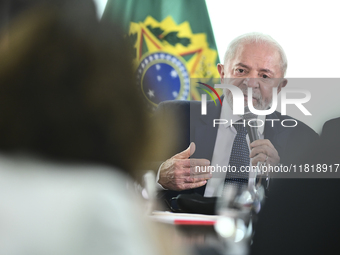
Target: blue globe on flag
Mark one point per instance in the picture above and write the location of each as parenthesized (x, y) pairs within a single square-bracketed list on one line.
[(163, 76)]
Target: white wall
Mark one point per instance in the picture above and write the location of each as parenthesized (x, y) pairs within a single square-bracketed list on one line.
[(301, 27), (100, 4)]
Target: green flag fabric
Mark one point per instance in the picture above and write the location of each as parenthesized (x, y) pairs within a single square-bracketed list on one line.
[(172, 42)]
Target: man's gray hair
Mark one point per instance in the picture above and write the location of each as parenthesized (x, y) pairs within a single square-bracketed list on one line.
[(255, 37)]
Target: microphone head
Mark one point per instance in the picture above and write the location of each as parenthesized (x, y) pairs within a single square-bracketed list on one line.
[(252, 130)]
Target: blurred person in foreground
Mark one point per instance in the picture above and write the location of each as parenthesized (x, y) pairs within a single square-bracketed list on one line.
[(72, 130)]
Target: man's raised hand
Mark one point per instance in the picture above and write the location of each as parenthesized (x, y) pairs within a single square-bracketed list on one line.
[(181, 173), (263, 150)]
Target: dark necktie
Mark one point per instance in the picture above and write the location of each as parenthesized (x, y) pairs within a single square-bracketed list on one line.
[(239, 157)]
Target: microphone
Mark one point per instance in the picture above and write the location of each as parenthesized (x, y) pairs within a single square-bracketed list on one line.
[(257, 191), (253, 136), (252, 131)]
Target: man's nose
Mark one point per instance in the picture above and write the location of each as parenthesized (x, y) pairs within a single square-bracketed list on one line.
[(251, 82)]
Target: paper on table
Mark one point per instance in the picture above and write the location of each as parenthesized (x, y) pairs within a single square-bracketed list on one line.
[(184, 218)]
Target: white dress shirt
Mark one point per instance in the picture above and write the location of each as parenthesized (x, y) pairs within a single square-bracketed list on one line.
[(222, 150)]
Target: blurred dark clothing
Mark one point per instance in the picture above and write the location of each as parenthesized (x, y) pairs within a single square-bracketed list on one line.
[(329, 148), (301, 216)]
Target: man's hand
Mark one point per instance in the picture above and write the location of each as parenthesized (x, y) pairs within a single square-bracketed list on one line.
[(181, 173), (263, 151)]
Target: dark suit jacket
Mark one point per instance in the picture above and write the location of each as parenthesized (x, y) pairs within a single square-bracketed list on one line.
[(193, 127), (301, 216)]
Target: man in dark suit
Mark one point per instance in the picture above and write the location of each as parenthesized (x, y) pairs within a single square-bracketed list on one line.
[(302, 215), (252, 61), (290, 143)]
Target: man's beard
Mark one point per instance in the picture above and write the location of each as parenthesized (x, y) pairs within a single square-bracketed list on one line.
[(259, 104)]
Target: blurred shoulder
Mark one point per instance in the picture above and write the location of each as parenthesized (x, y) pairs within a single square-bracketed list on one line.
[(331, 125)]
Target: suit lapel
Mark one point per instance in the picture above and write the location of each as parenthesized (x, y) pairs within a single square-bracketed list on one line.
[(202, 131)]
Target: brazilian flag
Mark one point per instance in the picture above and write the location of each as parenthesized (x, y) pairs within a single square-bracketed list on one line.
[(172, 42)]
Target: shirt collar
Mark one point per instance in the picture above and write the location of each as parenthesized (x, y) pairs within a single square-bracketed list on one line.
[(227, 114)]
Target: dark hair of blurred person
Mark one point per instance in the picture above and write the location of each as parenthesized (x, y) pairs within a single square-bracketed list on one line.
[(67, 92), (10, 9)]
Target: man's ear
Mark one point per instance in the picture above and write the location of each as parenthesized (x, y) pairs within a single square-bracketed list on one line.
[(220, 69), (282, 84)]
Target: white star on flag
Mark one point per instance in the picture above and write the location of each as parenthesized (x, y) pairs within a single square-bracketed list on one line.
[(151, 93), (174, 94), (173, 73), (159, 78)]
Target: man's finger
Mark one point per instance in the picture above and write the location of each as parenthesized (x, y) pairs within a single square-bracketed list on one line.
[(198, 170), (259, 158), (260, 149), (194, 185), (270, 160), (186, 153), (183, 172), (192, 162), (205, 176), (261, 142), (196, 179)]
